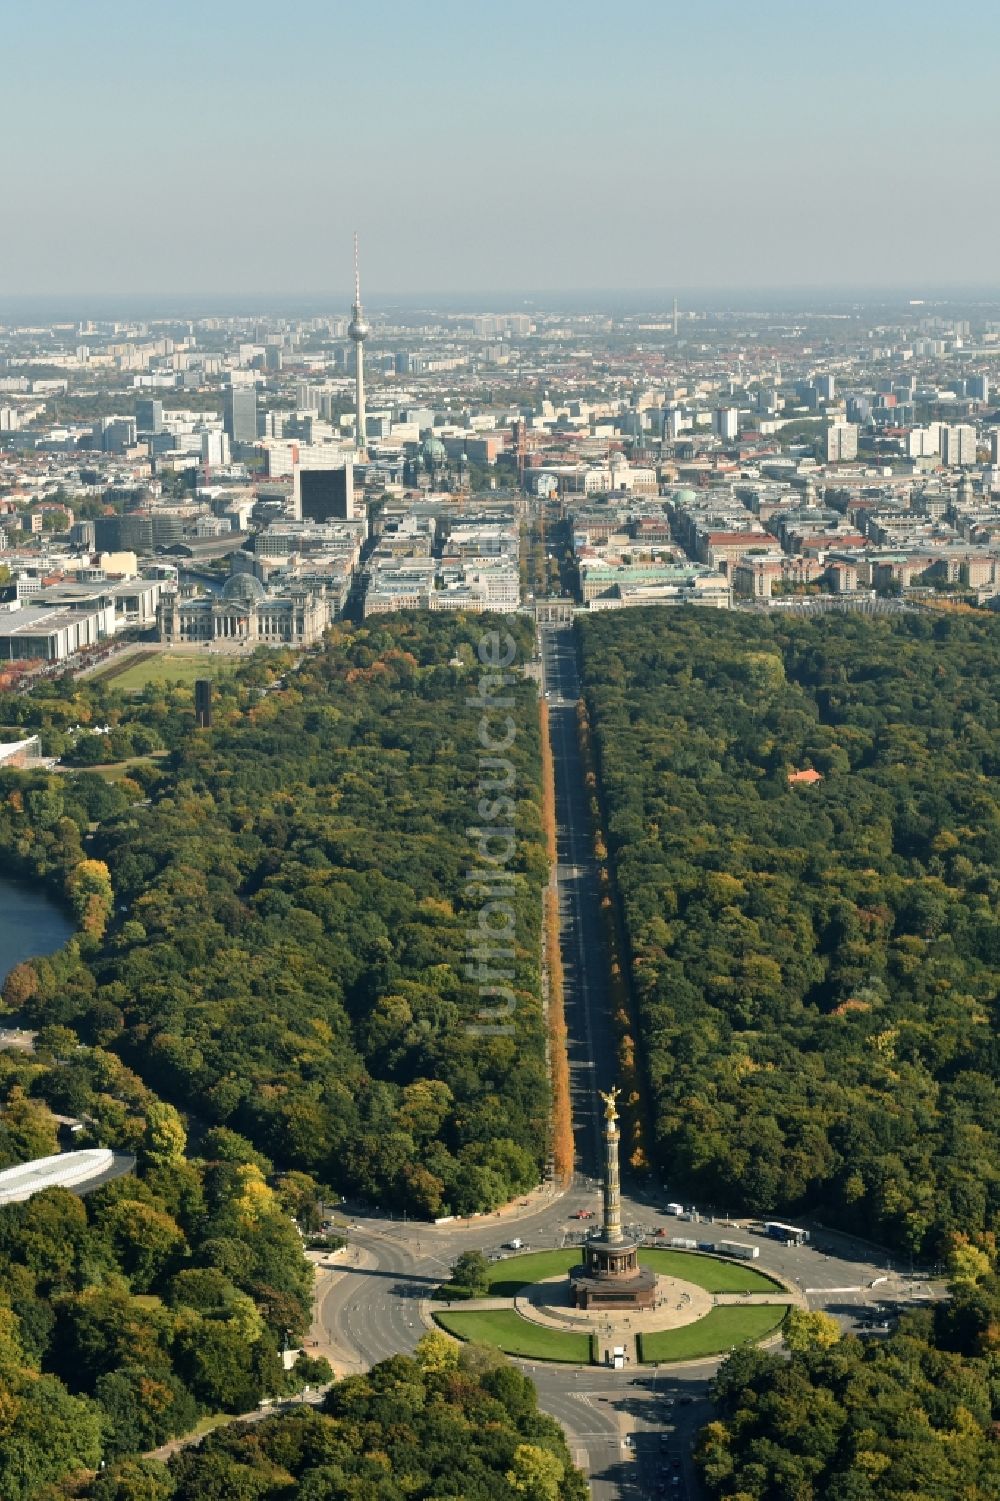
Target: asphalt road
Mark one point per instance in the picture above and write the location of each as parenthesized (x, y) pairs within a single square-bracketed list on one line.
[(591, 1041), (631, 1431)]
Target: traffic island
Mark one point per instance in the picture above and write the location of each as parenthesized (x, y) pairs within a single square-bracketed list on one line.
[(716, 1334), (703, 1306), (506, 1330)]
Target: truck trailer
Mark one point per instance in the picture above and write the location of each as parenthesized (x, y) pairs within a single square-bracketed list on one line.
[(738, 1249)]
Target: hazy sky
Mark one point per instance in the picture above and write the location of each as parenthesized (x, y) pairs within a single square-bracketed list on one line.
[(233, 145)]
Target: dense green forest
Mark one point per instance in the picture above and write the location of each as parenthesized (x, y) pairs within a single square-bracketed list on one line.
[(815, 967), (910, 1418), (447, 1422), (276, 918), (165, 1294)]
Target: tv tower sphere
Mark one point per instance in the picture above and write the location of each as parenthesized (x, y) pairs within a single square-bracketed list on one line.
[(358, 330)]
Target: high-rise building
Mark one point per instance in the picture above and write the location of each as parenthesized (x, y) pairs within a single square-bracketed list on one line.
[(215, 448), (82, 534), (240, 414), (727, 423), (995, 446), (979, 387), (958, 445), (359, 331), (841, 442), (115, 434), (327, 494), (149, 415)]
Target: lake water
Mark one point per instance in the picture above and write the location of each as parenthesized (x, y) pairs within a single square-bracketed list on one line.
[(30, 924)]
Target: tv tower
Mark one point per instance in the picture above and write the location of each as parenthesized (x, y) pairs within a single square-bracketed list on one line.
[(359, 330)]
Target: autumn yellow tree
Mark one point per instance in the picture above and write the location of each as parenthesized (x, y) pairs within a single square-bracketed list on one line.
[(90, 894)]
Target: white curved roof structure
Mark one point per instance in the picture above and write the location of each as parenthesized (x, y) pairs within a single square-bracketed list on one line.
[(64, 1170)]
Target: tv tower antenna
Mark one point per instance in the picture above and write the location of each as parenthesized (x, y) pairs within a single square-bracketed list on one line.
[(359, 330)]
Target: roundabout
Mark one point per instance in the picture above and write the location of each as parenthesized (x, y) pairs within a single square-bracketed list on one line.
[(622, 1303), (702, 1306)]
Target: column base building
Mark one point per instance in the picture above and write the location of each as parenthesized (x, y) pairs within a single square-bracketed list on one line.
[(610, 1276)]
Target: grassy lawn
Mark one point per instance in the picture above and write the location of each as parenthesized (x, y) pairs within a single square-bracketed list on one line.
[(708, 1272), (713, 1334), (113, 771), (505, 1277), (170, 667), (507, 1331)]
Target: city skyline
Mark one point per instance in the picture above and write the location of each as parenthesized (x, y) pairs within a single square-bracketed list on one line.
[(547, 154)]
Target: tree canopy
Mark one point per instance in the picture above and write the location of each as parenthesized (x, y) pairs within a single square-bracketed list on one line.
[(444, 1423), (878, 1420), (280, 935), (815, 965)]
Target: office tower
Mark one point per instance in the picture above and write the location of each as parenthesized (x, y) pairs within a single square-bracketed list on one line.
[(327, 494), (995, 446), (149, 415), (359, 330), (135, 533), (240, 414), (214, 449), (203, 703), (979, 387), (841, 442), (825, 386), (108, 533), (115, 434), (83, 534), (727, 423), (166, 529), (958, 445), (676, 325)]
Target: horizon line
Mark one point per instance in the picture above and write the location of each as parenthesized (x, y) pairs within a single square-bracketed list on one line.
[(665, 289)]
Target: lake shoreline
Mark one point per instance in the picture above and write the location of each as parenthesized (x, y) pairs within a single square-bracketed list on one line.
[(33, 924)]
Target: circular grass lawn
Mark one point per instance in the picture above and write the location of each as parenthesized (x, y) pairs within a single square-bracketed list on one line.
[(505, 1329), (506, 1278), (713, 1334)]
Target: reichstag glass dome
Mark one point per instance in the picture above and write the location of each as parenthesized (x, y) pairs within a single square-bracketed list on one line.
[(244, 586)]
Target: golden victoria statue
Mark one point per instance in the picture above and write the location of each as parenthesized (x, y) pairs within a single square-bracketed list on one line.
[(610, 1109)]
